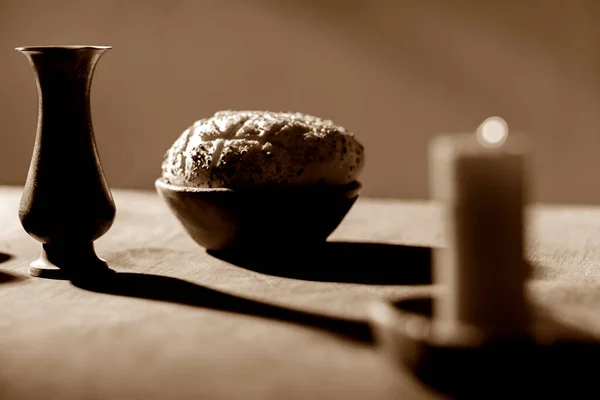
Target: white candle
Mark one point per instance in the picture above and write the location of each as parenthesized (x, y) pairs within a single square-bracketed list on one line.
[(479, 178)]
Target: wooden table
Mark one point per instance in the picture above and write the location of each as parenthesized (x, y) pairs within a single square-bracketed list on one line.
[(186, 324)]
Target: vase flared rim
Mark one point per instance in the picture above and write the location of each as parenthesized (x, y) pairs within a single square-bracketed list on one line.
[(65, 47)]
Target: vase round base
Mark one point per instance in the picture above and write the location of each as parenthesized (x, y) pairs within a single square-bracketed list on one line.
[(69, 262)]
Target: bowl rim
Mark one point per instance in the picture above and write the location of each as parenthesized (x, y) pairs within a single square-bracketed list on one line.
[(161, 183)]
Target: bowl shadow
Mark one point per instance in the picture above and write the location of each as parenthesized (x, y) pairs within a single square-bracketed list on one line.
[(340, 262)]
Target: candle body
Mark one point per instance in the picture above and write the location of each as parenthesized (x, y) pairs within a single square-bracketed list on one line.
[(481, 270)]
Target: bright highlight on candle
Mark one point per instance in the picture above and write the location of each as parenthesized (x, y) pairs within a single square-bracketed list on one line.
[(493, 131)]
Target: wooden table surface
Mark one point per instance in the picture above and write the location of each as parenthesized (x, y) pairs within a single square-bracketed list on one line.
[(185, 324)]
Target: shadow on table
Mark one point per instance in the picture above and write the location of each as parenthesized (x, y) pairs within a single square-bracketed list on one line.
[(168, 289), (557, 366), (342, 262), (6, 277), (349, 262)]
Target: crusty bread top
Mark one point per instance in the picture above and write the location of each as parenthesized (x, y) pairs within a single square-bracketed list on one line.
[(238, 149)]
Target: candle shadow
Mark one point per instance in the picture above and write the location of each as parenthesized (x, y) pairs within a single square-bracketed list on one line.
[(341, 262), (548, 368), (174, 290)]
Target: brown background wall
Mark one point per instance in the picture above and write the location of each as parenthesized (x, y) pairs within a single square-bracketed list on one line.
[(394, 72)]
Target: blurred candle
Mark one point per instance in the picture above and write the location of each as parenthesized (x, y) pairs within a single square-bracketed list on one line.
[(479, 178)]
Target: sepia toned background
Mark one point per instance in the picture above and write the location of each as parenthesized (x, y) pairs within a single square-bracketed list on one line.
[(394, 72)]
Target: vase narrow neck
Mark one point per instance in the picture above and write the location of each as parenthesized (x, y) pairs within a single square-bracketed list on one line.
[(64, 78)]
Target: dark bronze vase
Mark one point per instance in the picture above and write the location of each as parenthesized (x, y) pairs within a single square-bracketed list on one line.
[(66, 203)]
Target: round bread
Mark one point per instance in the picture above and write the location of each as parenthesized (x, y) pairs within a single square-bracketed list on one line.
[(241, 149)]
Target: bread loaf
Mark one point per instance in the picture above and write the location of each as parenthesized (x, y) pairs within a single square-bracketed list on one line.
[(242, 149)]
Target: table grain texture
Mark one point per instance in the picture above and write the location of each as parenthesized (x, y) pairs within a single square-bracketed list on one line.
[(184, 324)]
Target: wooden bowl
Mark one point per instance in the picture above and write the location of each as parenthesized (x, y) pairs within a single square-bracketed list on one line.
[(220, 219)]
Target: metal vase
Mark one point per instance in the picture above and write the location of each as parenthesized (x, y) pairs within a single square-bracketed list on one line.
[(66, 203)]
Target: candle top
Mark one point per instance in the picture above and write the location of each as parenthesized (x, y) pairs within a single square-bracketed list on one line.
[(492, 132), (491, 139)]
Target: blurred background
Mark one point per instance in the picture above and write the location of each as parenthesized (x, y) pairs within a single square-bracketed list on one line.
[(394, 72)]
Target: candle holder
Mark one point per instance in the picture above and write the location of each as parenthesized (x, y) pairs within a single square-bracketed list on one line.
[(460, 361), (66, 203)]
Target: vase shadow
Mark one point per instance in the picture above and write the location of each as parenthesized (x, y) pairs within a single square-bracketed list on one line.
[(174, 290), (6, 277), (341, 262), (5, 257)]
